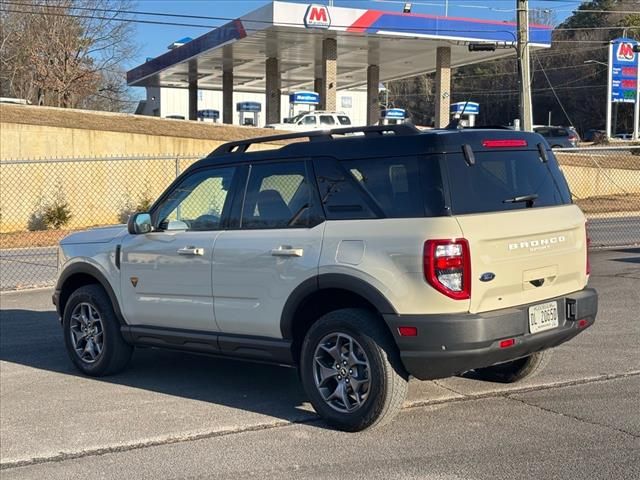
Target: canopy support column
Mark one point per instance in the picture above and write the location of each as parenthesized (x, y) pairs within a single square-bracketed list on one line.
[(373, 104), (443, 86), (329, 74), (227, 97), (193, 91), (273, 91)]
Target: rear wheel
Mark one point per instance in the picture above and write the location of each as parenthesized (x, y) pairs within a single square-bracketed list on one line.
[(516, 370), (92, 333), (351, 370)]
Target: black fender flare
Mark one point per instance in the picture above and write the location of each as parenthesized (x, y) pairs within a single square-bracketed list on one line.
[(327, 281), (87, 269)]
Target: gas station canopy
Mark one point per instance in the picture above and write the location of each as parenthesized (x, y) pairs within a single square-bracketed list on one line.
[(400, 44)]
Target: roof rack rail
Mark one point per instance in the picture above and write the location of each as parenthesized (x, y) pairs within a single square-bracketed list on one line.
[(457, 125), (242, 146)]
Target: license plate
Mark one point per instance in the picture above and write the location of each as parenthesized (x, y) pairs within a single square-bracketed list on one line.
[(543, 317)]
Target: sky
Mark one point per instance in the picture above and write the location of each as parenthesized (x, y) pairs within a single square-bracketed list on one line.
[(154, 39)]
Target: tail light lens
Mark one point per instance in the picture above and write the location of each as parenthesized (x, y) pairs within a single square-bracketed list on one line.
[(447, 267)]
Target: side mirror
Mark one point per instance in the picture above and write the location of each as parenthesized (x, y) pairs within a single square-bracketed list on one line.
[(139, 223)]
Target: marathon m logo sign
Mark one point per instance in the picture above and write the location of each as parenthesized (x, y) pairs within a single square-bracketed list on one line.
[(625, 52), (317, 16)]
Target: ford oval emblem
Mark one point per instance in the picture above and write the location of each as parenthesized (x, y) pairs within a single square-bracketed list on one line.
[(487, 277)]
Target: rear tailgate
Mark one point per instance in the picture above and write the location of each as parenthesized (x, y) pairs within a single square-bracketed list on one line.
[(524, 256), (527, 241)]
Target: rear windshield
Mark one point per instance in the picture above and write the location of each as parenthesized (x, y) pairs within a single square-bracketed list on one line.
[(507, 180)]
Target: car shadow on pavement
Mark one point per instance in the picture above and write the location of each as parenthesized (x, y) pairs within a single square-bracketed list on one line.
[(34, 339)]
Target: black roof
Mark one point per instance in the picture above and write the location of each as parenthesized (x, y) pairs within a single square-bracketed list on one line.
[(363, 142)]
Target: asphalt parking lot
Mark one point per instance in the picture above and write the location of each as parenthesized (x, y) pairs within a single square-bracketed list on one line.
[(173, 415)]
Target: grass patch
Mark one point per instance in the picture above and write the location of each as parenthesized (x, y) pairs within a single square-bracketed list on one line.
[(41, 238), (610, 203)]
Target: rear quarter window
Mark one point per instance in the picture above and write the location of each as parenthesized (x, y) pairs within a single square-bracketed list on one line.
[(498, 177), (394, 187)]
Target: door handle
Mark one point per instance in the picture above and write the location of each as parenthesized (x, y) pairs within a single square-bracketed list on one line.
[(287, 251), (191, 251)]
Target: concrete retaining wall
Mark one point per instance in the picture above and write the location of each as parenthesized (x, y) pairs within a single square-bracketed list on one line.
[(590, 182)]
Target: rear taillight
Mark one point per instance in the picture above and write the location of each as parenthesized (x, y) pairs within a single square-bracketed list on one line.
[(447, 267), (588, 244)]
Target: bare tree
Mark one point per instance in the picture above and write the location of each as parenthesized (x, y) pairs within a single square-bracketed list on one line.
[(66, 53)]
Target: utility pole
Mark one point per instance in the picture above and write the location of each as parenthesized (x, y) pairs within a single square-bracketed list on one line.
[(526, 115)]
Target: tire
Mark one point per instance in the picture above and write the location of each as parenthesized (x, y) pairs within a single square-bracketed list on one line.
[(374, 367), (89, 314), (516, 370)]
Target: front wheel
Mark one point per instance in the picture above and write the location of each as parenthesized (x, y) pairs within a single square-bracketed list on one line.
[(92, 333), (351, 370), (516, 370)]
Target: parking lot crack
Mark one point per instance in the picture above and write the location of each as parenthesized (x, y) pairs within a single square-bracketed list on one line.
[(569, 416)]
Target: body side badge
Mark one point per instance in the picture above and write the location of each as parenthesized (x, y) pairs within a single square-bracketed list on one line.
[(487, 276), (134, 281)]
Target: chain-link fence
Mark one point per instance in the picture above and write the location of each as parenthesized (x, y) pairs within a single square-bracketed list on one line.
[(605, 183), (41, 201)]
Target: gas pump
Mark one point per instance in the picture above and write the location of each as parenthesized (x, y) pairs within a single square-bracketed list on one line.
[(249, 113), (302, 101), (468, 118), (393, 116)]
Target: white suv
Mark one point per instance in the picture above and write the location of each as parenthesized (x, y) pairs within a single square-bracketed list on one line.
[(360, 260), (314, 120)]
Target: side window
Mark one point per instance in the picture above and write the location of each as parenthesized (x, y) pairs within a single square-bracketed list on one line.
[(278, 195), (344, 120), (340, 195), (327, 120), (308, 120), (393, 183), (197, 202)]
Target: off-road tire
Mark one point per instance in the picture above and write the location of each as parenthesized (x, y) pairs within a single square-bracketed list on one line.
[(116, 353), (388, 379), (516, 370)]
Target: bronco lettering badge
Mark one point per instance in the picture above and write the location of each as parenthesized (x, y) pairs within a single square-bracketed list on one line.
[(537, 244)]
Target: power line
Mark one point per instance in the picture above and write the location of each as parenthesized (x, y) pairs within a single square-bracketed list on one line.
[(227, 19)]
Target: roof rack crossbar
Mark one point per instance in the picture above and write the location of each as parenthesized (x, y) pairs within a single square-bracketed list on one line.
[(242, 146)]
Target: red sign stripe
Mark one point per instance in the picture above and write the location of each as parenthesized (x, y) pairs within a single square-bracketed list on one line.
[(365, 21)]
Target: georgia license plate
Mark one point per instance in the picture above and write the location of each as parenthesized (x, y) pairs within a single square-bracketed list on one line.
[(543, 317)]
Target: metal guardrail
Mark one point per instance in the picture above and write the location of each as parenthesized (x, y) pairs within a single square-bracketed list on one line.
[(43, 199)]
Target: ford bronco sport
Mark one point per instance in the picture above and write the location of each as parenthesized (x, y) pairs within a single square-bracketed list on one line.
[(361, 255)]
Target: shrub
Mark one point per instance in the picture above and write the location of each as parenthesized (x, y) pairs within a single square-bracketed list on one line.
[(128, 208), (54, 214)]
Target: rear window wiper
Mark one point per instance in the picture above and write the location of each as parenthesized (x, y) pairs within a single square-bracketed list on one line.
[(528, 199)]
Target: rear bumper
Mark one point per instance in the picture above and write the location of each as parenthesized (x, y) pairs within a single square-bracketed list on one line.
[(450, 344)]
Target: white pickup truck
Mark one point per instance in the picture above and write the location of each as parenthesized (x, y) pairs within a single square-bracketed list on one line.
[(314, 120)]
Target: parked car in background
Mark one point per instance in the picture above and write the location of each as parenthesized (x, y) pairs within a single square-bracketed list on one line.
[(314, 120), (559, 137), (593, 135), (623, 136)]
